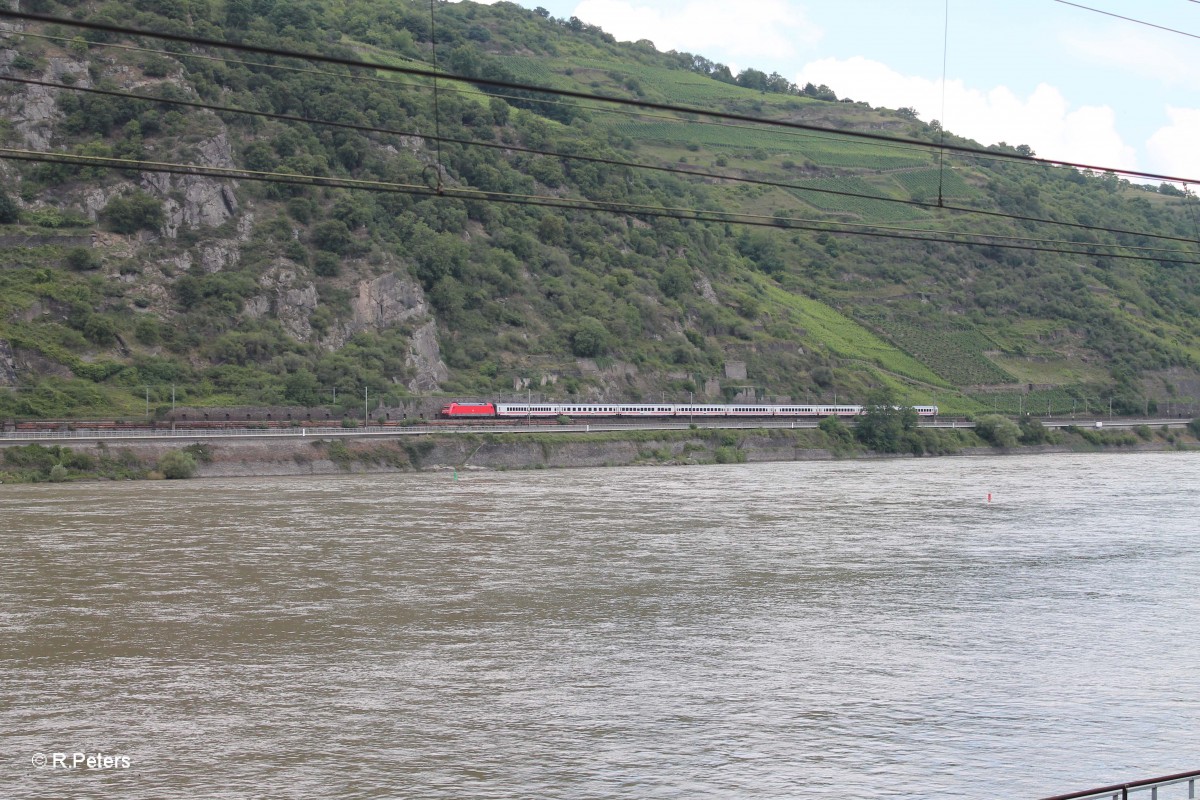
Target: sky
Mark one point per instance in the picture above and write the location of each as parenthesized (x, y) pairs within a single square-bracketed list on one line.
[(1071, 83)]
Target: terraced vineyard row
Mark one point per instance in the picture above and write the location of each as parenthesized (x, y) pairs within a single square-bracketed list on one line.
[(923, 184), (849, 339), (535, 71), (864, 208), (957, 354), (1034, 403), (823, 152)]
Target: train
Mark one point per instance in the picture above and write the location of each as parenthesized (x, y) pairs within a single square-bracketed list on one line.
[(490, 410)]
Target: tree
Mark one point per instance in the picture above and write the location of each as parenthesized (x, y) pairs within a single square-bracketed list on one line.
[(997, 430), (301, 387), (132, 212), (332, 236), (1033, 431), (884, 426), (674, 280), (9, 212), (589, 339), (835, 428)]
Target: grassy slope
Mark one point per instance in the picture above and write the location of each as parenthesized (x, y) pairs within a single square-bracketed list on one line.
[(967, 323)]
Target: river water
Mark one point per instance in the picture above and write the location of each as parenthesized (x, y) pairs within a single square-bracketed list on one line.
[(842, 629)]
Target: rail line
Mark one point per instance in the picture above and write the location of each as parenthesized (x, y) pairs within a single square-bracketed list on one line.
[(84, 434)]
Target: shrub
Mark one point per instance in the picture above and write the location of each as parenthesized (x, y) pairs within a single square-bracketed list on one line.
[(201, 451), (835, 428), (1194, 427), (332, 236), (100, 329), (58, 473), (997, 431), (132, 212), (1033, 431), (729, 455), (9, 212), (81, 259), (177, 465), (326, 264), (589, 339)]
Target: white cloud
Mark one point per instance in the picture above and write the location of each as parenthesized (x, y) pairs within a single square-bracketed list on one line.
[(1173, 148), (1044, 120), (772, 29)]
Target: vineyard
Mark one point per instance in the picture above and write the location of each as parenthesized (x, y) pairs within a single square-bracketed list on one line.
[(849, 339), (679, 87), (536, 71), (1058, 402), (923, 184), (957, 354), (862, 207), (821, 151)]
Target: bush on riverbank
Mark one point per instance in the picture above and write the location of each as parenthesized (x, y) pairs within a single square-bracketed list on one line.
[(177, 465), (35, 463)]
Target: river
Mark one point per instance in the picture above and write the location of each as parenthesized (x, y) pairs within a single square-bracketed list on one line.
[(836, 629)]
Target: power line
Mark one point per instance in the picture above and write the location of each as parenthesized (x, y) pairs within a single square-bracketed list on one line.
[(1130, 19), (837, 136), (585, 158), (358, 64), (626, 209), (541, 101)]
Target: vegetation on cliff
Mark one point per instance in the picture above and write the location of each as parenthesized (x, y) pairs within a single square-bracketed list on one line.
[(118, 290)]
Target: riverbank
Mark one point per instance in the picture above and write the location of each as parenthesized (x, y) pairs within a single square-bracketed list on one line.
[(441, 451)]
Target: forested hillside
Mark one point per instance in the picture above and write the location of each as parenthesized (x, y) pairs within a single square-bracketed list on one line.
[(737, 267)]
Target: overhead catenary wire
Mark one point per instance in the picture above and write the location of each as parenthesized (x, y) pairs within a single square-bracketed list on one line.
[(541, 101), (584, 158), (575, 204), (1129, 19), (359, 64), (437, 117), (833, 135), (942, 121)]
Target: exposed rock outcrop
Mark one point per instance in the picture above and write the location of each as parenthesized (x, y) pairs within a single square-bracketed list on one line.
[(32, 112), (425, 359), (289, 299), (8, 365), (389, 300), (205, 201), (219, 255), (33, 109), (385, 301)]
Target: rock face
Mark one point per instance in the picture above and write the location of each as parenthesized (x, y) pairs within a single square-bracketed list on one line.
[(219, 255), (34, 109), (8, 365), (194, 200), (380, 303), (393, 299), (425, 358), (290, 300), (385, 301)]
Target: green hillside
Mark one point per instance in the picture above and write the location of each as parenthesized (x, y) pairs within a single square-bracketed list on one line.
[(121, 287)]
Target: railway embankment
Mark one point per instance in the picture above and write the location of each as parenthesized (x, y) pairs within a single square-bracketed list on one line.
[(234, 457)]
